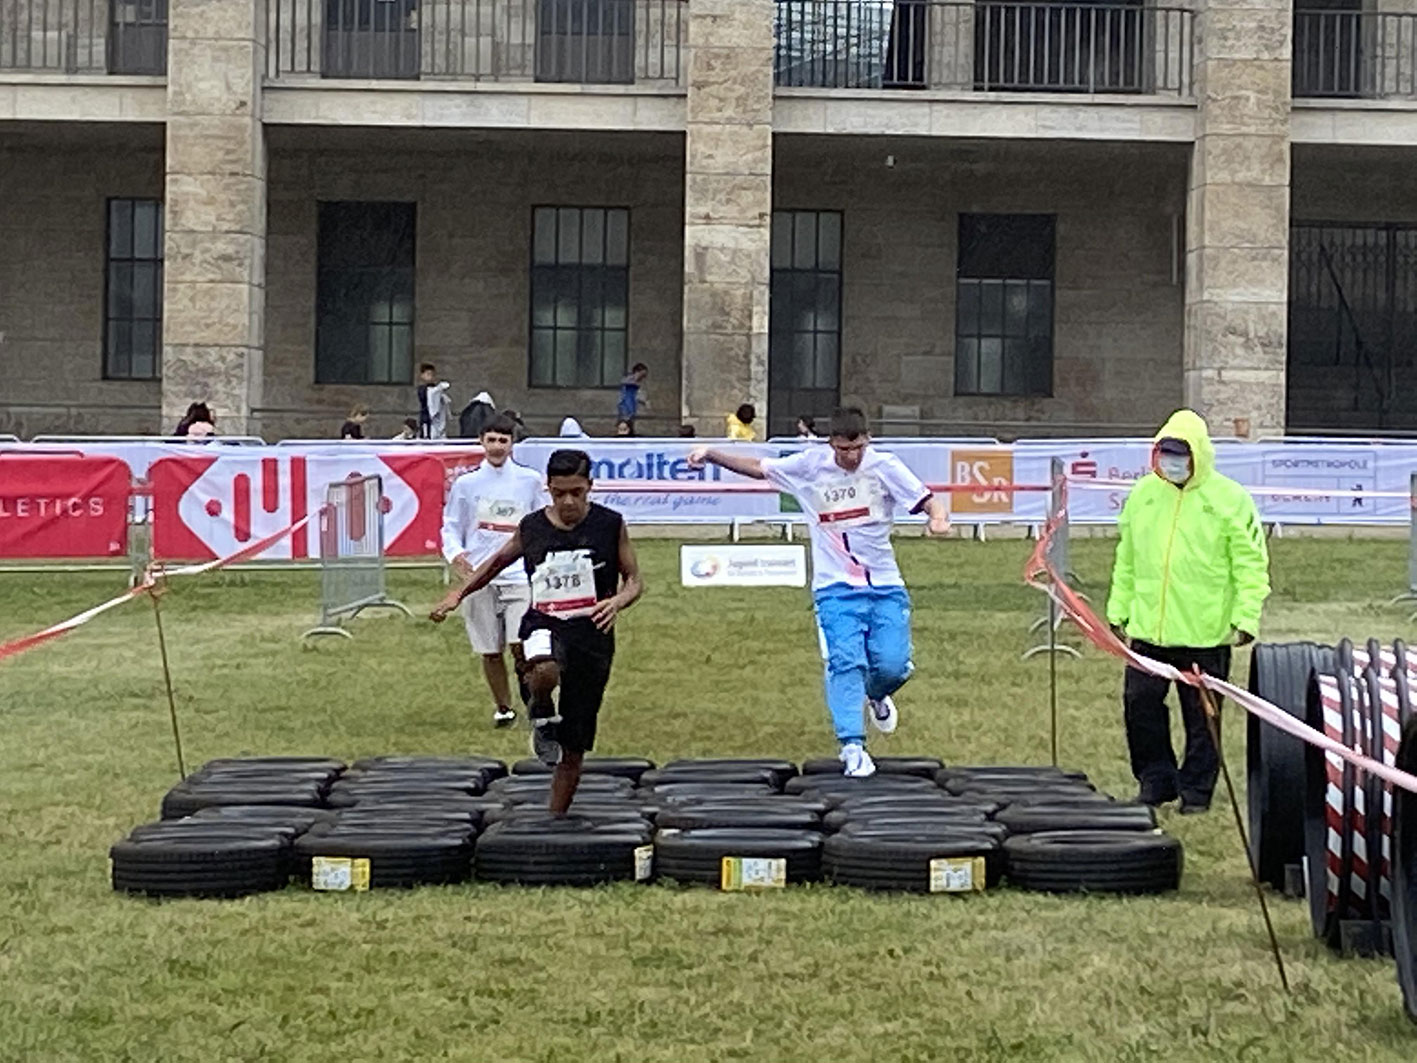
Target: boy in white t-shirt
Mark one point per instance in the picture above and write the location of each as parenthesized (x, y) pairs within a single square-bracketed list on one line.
[(849, 491), (483, 509)]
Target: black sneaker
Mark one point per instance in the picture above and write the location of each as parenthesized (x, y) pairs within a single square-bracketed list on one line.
[(1194, 805), (543, 742), (504, 717), (1155, 796)]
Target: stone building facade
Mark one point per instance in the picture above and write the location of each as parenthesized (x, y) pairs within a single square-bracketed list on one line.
[(990, 217)]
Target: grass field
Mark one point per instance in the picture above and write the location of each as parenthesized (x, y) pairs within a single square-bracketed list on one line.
[(631, 973)]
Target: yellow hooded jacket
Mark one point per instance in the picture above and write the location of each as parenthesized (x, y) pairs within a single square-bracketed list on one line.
[(1192, 562)]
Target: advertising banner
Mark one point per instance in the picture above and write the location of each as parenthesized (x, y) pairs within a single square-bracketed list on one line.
[(63, 506), (743, 565)]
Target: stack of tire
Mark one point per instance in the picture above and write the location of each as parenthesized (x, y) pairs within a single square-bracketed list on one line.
[(414, 819), (228, 829), (714, 814), (606, 838)]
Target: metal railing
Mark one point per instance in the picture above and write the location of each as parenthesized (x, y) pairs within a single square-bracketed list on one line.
[(1355, 54), (84, 36), (585, 42), (989, 46)]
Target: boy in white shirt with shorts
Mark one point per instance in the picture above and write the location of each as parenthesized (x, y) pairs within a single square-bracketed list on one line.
[(848, 491), (483, 509)]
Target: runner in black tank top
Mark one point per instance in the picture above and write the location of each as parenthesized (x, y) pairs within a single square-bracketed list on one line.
[(576, 553)]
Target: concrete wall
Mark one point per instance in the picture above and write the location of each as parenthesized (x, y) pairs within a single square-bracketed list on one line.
[(52, 232), (472, 287), (1118, 304)]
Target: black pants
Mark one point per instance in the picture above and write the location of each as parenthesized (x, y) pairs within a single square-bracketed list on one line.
[(1149, 725)]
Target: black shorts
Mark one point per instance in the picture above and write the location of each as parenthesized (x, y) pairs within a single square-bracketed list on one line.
[(584, 660)]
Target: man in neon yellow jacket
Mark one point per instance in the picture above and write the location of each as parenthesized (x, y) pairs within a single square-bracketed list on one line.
[(1190, 578)]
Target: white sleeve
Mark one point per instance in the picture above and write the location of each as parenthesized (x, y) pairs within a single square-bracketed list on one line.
[(905, 488), (786, 473), (455, 521)]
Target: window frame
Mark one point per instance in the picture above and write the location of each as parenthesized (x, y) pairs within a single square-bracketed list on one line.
[(817, 272), (109, 260), (537, 269), (370, 321), (1002, 335)]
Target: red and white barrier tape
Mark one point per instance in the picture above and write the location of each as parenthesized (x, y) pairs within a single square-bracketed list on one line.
[(150, 578), (1039, 573)]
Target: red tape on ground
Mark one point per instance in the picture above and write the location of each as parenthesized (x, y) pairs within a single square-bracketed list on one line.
[(1039, 573)]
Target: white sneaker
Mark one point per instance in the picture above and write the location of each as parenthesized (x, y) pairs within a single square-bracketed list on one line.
[(884, 716), (856, 762), (504, 717)]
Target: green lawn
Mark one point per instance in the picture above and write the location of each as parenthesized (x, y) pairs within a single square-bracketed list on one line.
[(631, 973)]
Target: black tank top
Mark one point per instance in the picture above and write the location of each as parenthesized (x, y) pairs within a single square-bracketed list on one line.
[(544, 545)]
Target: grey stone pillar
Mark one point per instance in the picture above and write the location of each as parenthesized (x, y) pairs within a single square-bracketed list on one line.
[(214, 293), (727, 210), (1237, 228)]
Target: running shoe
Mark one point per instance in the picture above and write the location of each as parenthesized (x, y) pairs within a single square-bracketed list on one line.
[(543, 741), (504, 717), (856, 762), (884, 716)]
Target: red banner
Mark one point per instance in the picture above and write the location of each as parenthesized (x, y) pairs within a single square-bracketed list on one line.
[(214, 504), (63, 506)]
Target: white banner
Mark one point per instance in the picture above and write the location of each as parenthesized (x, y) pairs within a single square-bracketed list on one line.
[(743, 565)]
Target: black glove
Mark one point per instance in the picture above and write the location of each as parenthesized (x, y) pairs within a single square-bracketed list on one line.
[(1243, 638), (1120, 630)]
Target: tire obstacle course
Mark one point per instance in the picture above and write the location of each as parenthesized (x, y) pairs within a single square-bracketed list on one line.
[(244, 825)]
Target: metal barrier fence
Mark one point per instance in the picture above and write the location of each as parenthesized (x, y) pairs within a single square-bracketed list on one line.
[(84, 36), (584, 42), (352, 574), (989, 46), (1355, 54)]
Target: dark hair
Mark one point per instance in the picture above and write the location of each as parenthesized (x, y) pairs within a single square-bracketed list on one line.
[(686, 431), (427, 367), (629, 426), (809, 421), (568, 463), (501, 424), (746, 413), (411, 423), (848, 422), (639, 367)]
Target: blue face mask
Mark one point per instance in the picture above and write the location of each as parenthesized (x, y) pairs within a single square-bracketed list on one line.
[(1174, 467)]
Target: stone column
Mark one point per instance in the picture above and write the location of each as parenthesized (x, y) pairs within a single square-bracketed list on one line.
[(215, 249), (727, 210), (1237, 226)]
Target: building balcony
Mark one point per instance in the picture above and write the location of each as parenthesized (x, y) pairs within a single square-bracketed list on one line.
[(985, 46), (84, 36), (578, 42), (1355, 55)]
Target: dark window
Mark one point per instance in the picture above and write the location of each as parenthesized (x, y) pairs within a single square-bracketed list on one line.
[(132, 345), (1004, 305), (586, 41), (580, 284), (364, 307), (1331, 56), (137, 37), (1060, 47), (804, 351), (372, 39)]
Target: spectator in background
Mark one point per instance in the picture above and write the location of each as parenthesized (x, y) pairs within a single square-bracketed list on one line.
[(409, 430), (353, 428), (476, 416), (519, 429), (1190, 578), (629, 407), (740, 423), (433, 403), (624, 427), (686, 431), (197, 412), (202, 429), (571, 429), (806, 427)]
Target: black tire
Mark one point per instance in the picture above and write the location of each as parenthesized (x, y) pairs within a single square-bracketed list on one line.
[(1329, 908), (1033, 819), (398, 857), (1275, 761), (1009, 771), (494, 768), (697, 855), (925, 767), (714, 774), (910, 799), (1094, 862), (277, 763), (785, 769), (761, 815), (344, 795), (874, 784), (1404, 872), (837, 817), (903, 861), (565, 852), (622, 767), (183, 800), (623, 812), (1015, 785), (967, 820), (686, 793), (302, 819), (541, 784), (197, 862)]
